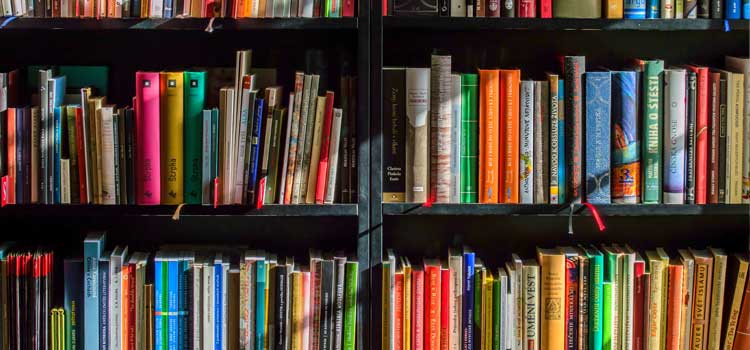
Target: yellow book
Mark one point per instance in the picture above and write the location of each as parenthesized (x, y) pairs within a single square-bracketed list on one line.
[(664, 293), (656, 309), (297, 309), (739, 274), (171, 104), (487, 289), (613, 9), (95, 104), (717, 297), (406, 267), (552, 265), (312, 178), (57, 329)]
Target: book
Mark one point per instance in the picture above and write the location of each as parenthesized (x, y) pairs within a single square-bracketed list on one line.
[(674, 311), (489, 136), (634, 9), (456, 122), (574, 68), (734, 140), (717, 297), (325, 162), (469, 142), (148, 188), (440, 129), (653, 77), (93, 246), (657, 307), (73, 303), (702, 137), (541, 143), (626, 172), (104, 117), (526, 141), (552, 293), (690, 133), (598, 128), (194, 136), (701, 299), (333, 157), (737, 278), (674, 149), (742, 65), (417, 134), (394, 186), (577, 9), (531, 304), (510, 106), (553, 81)]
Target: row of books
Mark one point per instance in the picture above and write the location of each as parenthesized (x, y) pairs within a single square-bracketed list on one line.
[(644, 134), (179, 8), (180, 297), (608, 297), (631, 9), (172, 149)]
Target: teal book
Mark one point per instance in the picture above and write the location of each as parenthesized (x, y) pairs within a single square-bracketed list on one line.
[(469, 139), (194, 101), (73, 294), (350, 305), (92, 251), (260, 304), (653, 79), (596, 291)]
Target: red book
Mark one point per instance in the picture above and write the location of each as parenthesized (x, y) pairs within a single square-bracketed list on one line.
[(545, 8), (348, 10), (417, 310), (385, 8), (81, 156), (527, 8), (571, 302), (742, 338), (131, 339), (445, 307), (320, 188), (11, 149), (639, 302), (701, 135), (432, 305), (493, 8), (714, 101), (398, 312)]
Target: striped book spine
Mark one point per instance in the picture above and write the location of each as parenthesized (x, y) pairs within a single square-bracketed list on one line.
[(554, 144), (634, 9), (561, 165)]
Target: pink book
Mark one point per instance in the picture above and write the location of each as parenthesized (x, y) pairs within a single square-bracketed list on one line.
[(325, 141), (306, 306), (348, 10), (545, 8), (148, 174)]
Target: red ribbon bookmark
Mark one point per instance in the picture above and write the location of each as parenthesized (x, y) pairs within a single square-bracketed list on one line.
[(430, 200), (597, 217), (216, 192)]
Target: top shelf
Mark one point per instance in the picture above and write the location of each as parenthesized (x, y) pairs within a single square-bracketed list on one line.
[(558, 24), (177, 24)]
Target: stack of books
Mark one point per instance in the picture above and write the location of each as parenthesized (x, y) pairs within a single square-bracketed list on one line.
[(607, 297), (171, 148), (180, 297), (631, 9), (643, 134), (179, 8)]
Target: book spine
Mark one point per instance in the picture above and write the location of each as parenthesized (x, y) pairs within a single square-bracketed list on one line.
[(440, 129), (260, 305), (554, 139), (193, 135), (104, 303), (634, 9), (318, 111), (350, 305), (652, 125), (712, 184), (148, 176), (541, 90), (56, 153), (742, 339), (107, 151), (575, 67), (652, 9), (704, 10), (717, 9), (394, 185), (456, 122), (561, 160), (735, 140), (733, 312), (467, 308), (91, 253), (699, 329), (598, 128), (530, 308), (418, 310), (333, 156), (553, 282), (596, 298), (469, 141), (626, 153), (526, 8), (72, 154), (324, 163), (160, 298), (732, 9), (723, 116), (73, 272), (673, 307), (717, 301), (489, 137), (667, 9), (545, 8), (572, 296), (218, 308), (254, 144), (417, 134), (172, 117), (701, 164), (432, 300), (690, 133), (614, 8), (526, 190)]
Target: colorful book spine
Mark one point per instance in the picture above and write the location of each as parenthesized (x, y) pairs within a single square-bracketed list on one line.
[(148, 189), (394, 107), (417, 134), (674, 150), (526, 140), (561, 160), (634, 9), (613, 9), (510, 81), (572, 300), (92, 250), (598, 143), (467, 317), (652, 124), (440, 128), (56, 152), (553, 292), (732, 9), (574, 67), (626, 164), (489, 136), (160, 289), (531, 300), (260, 304), (596, 298), (172, 119), (469, 142), (541, 142), (432, 297), (554, 137), (254, 152), (702, 136), (193, 136), (104, 298), (323, 163), (652, 9)]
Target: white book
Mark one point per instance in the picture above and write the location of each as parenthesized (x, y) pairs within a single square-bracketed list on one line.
[(206, 181), (7, 8), (65, 181), (278, 8), (742, 65), (531, 305), (208, 306), (333, 156), (254, 10), (117, 11), (281, 185), (307, 8), (157, 9), (627, 292), (458, 9), (197, 306), (526, 158), (417, 134), (440, 128), (667, 9), (455, 263), (19, 8), (502, 276), (116, 261), (300, 175), (245, 122), (107, 152), (674, 136), (456, 103)]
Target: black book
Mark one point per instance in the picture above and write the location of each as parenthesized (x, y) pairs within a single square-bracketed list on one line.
[(508, 8), (723, 140), (326, 304), (3, 141), (692, 95), (394, 126), (704, 8), (280, 306), (130, 155), (116, 158), (26, 165), (338, 307), (353, 178), (123, 165), (415, 7), (717, 9), (445, 8)]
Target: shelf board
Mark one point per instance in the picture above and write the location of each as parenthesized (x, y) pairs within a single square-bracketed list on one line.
[(416, 209), (558, 24), (44, 211), (184, 24)]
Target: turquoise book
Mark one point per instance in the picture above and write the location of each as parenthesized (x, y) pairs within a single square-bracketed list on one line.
[(653, 80), (596, 286), (260, 304), (173, 267), (73, 295), (92, 251), (469, 139), (194, 101)]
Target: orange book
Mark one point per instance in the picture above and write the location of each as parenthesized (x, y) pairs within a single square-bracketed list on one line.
[(674, 305), (489, 136), (509, 111), (239, 9), (742, 338), (124, 304), (432, 288)]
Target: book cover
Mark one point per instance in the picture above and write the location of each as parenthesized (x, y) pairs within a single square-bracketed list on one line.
[(634, 9), (690, 136), (702, 134), (526, 141), (674, 150), (552, 283), (742, 65), (598, 128), (626, 187), (148, 174), (417, 134), (653, 77), (394, 106), (489, 136), (574, 68), (194, 98), (509, 143)]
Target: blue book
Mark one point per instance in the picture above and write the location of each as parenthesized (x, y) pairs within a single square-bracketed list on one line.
[(73, 274), (468, 307), (597, 145), (561, 141), (57, 123), (104, 301), (260, 303), (218, 302), (172, 302), (745, 9), (634, 9), (168, 8), (160, 290), (733, 9), (254, 151), (92, 252), (184, 301), (652, 9), (55, 95), (626, 145)]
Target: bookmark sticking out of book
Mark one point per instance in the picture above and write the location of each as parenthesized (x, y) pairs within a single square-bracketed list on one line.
[(4, 191), (216, 192), (594, 213), (176, 215), (261, 194), (430, 200), (12, 18)]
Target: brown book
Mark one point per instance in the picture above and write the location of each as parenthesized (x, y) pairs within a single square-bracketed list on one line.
[(674, 305), (493, 8), (701, 299), (738, 276), (480, 8), (233, 314), (148, 291)]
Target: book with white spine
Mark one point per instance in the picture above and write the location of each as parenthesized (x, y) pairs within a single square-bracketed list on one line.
[(674, 136), (440, 129), (107, 152), (526, 158), (417, 134)]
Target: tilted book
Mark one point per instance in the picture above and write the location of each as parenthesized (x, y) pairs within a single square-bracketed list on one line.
[(526, 140), (320, 108), (417, 134), (324, 163), (148, 187), (305, 187), (333, 157)]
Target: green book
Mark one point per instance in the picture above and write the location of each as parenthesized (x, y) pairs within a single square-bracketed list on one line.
[(608, 294), (596, 275), (496, 314), (611, 287), (194, 100), (653, 78), (469, 139), (73, 155), (350, 305), (260, 304)]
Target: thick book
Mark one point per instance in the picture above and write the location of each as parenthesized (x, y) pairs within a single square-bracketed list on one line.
[(577, 9), (552, 292), (194, 98), (734, 139), (440, 129), (626, 162), (674, 150), (653, 77), (394, 185), (93, 245), (469, 141), (598, 124), (554, 138), (489, 136), (147, 158), (510, 80), (574, 67), (417, 134), (172, 118), (526, 143)]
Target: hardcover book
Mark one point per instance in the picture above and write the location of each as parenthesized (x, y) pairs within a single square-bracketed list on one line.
[(92, 250), (489, 136), (574, 68), (440, 129), (674, 149), (541, 142), (417, 134), (577, 9), (742, 65), (598, 128), (526, 140), (510, 81), (653, 72), (626, 163), (554, 138), (690, 135), (148, 189), (634, 9), (194, 98), (552, 283), (455, 159)]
